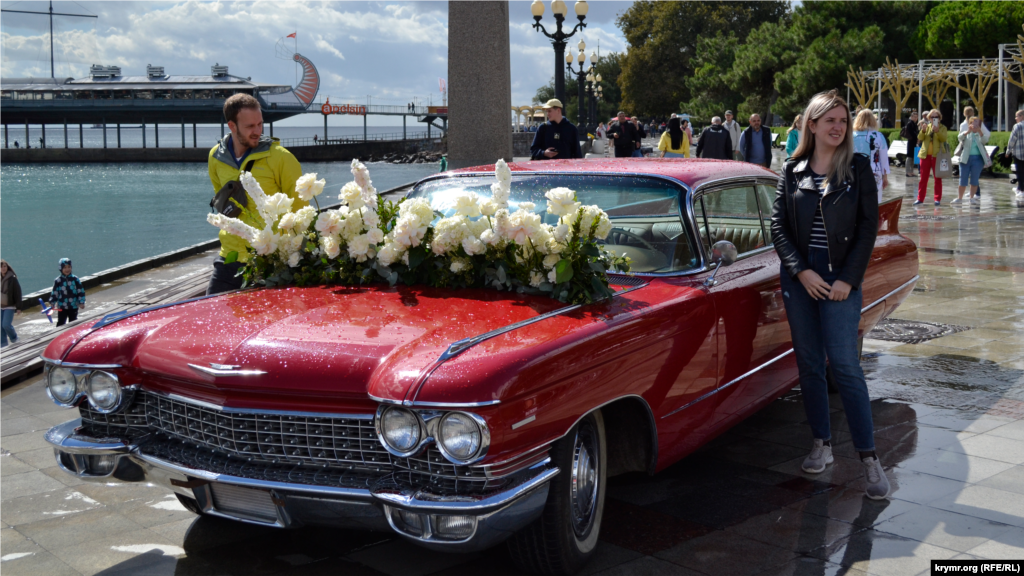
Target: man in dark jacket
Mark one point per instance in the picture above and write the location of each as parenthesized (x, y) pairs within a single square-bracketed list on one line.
[(909, 132), (558, 138), (625, 136), (756, 144), (714, 142)]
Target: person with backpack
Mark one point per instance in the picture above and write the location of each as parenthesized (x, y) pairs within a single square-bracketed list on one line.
[(909, 133), (869, 141)]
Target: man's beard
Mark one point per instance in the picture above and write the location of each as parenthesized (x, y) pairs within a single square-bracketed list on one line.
[(245, 141)]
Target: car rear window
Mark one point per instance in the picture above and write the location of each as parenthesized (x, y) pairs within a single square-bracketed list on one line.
[(645, 212)]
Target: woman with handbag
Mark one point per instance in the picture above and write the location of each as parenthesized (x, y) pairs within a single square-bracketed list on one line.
[(11, 294), (931, 139), (824, 224), (973, 159)]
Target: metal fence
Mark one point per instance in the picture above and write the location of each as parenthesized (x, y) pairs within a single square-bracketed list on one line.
[(387, 136)]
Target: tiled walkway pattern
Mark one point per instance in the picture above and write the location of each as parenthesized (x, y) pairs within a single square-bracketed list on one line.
[(950, 430)]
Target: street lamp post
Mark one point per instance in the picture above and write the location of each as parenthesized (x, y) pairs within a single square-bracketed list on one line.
[(582, 77), (559, 9), (593, 91)]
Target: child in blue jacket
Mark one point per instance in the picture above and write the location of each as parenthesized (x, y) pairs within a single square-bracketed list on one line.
[(68, 295)]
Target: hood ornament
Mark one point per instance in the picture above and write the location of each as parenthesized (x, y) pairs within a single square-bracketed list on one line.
[(226, 370)]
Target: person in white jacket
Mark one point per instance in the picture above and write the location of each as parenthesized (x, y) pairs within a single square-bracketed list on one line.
[(868, 140), (984, 133), (733, 128)]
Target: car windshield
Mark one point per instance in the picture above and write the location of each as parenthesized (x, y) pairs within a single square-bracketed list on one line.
[(645, 212)]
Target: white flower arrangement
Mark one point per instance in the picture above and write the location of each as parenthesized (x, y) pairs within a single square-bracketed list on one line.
[(482, 243)]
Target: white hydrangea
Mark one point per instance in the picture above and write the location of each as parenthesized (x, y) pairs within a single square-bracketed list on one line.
[(408, 232), (329, 223), (418, 208), (604, 226), (358, 247), (561, 201), (473, 245), (307, 186), (389, 253), (466, 204)]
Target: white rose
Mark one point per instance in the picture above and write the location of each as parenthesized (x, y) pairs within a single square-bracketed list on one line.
[(561, 201), (330, 246), (293, 260), (375, 235), (307, 186), (265, 242), (287, 222), (370, 218), (550, 260), (488, 207), (473, 246), (352, 195), (358, 247), (561, 233), (536, 278), (489, 237), (604, 226), (328, 223), (303, 217), (466, 205), (527, 206)]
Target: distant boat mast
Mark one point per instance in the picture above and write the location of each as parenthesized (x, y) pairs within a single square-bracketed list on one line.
[(51, 14)]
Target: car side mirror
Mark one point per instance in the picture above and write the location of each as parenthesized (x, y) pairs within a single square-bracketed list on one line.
[(723, 253)]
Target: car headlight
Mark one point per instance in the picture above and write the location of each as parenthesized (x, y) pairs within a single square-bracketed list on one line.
[(400, 429), (461, 436), (104, 390), (62, 385)]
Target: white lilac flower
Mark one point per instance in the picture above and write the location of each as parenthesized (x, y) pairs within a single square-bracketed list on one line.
[(536, 279), (550, 260), (375, 235), (500, 193), (361, 175), (466, 204), (561, 201), (352, 195), (307, 186), (232, 226), (502, 172), (265, 242)]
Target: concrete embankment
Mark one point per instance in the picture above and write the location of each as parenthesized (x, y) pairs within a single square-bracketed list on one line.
[(323, 153)]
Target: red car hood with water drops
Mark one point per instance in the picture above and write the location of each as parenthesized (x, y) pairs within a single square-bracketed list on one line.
[(326, 342)]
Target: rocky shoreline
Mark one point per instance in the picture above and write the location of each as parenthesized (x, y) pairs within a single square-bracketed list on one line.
[(417, 158)]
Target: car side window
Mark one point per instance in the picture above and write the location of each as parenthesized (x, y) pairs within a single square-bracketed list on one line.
[(766, 199), (732, 214)]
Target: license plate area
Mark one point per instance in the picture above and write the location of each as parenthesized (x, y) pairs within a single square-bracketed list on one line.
[(242, 502)]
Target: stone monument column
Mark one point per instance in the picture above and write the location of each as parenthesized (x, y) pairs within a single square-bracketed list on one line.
[(479, 84)]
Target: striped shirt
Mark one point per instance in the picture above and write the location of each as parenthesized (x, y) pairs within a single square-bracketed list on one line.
[(818, 237), (1016, 143)]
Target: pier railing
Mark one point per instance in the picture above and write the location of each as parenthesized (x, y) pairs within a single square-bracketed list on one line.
[(418, 135)]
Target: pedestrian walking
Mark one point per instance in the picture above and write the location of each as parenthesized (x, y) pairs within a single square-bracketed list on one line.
[(756, 144), (688, 129), (909, 133), (10, 297), (985, 135), (1015, 149), (624, 135), (733, 128), (824, 248), (932, 136), (869, 141), (793, 136), (674, 143), (715, 142), (641, 134), (556, 139), (68, 295), (973, 159)]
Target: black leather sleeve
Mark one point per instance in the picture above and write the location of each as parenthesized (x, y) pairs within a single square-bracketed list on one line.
[(859, 256), (783, 235)]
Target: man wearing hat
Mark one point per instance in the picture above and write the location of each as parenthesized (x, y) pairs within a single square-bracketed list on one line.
[(733, 128), (625, 136), (558, 138)]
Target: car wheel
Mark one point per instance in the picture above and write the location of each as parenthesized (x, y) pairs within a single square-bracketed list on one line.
[(190, 504), (565, 537)]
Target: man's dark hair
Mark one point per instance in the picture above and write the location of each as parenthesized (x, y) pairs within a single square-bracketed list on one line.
[(234, 104)]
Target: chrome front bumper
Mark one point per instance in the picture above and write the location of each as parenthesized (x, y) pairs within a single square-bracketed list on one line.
[(388, 504)]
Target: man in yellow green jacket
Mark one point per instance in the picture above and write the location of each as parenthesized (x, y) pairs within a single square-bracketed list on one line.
[(273, 166), (931, 138)]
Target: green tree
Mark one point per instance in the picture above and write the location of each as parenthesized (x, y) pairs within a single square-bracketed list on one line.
[(968, 29), (662, 39), (711, 93), (609, 68), (768, 51)]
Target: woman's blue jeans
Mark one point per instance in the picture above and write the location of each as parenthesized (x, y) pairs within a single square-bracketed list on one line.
[(825, 329), (7, 327), (970, 171)]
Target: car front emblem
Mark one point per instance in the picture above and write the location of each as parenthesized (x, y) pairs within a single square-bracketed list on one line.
[(226, 370)]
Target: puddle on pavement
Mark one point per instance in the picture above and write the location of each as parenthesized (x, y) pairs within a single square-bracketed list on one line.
[(943, 381)]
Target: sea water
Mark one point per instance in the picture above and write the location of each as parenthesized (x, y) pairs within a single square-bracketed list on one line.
[(106, 215)]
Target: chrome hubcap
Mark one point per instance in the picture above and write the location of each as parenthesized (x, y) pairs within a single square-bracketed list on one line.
[(584, 482)]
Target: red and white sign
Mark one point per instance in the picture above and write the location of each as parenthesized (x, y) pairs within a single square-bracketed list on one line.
[(329, 108)]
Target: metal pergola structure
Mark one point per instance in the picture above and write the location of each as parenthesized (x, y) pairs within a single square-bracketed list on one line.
[(942, 75)]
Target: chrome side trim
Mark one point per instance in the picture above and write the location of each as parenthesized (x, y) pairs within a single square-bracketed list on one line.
[(524, 422), (883, 298), (79, 365), (460, 346), (724, 386), (436, 405), (233, 410), (226, 371)]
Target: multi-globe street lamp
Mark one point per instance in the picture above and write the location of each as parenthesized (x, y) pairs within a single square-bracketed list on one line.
[(560, 10), (594, 92), (582, 77)]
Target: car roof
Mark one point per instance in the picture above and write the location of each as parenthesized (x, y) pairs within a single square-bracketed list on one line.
[(693, 172)]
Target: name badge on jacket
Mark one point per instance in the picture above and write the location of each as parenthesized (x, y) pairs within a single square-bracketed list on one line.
[(558, 136)]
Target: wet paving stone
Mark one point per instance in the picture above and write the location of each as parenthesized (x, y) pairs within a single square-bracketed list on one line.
[(948, 416)]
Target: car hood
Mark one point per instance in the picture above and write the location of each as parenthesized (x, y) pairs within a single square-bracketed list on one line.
[(330, 342)]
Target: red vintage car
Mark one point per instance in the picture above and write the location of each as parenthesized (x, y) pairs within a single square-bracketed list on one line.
[(460, 418)]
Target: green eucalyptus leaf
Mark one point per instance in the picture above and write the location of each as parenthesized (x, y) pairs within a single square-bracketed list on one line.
[(563, 271), (232, 257)]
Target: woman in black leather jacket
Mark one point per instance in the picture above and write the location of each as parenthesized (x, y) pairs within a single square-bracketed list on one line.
[(824, 224)]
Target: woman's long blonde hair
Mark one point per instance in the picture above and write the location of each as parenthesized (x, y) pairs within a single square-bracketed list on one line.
[(820, 105), (865, 120), (796, 123)]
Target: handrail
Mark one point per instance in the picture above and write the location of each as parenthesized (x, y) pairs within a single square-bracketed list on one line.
[(389, 136)]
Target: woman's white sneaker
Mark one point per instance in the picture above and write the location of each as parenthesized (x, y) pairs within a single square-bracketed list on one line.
[(820, 456), (878, 484)]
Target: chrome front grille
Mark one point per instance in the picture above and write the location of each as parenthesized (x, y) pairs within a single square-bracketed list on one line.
[(304, 449)]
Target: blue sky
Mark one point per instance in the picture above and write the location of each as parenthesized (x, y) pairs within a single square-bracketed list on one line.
[(392, 52)]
